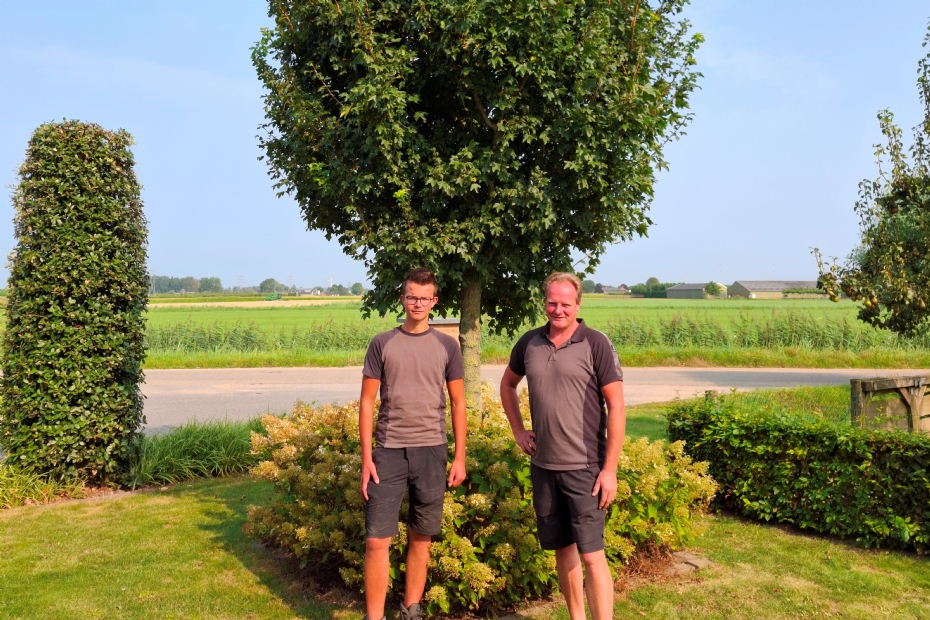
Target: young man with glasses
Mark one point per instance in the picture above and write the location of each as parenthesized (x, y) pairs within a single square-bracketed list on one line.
[(576, 404), (410, 365)]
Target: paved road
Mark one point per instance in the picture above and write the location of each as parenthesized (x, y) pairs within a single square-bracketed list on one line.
[(175, 396)]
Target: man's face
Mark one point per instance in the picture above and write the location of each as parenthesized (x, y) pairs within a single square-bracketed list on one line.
[(561, 307), (413, 300)]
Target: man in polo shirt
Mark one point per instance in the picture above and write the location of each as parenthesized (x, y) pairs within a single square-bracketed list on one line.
[(410, 365), (576, 405)]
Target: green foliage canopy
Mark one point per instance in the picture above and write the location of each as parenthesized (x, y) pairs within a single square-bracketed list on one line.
[(268, 285), (713, 289), (652, 288), (485, 140), (890, 271), (73, 346), (210, 285)]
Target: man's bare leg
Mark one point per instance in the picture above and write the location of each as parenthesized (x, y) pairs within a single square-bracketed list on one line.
[(417, 561), (377, 569), (571, 580), (599, 585)]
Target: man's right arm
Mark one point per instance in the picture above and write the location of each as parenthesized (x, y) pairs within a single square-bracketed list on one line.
[(525, 439), (366, 416)]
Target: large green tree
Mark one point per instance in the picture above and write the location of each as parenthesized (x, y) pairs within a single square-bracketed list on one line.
[(890, 271), (490, 141)]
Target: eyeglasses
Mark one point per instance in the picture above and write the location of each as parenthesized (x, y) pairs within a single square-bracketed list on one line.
[(410, 299)]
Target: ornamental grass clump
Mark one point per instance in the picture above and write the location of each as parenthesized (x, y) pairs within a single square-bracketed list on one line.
[(73, 346), (487, 556)]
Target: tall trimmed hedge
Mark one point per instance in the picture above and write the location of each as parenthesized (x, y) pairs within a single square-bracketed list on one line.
[(873, 486), (74, 341)]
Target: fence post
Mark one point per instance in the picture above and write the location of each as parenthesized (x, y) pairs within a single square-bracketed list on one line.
[(855, 402)]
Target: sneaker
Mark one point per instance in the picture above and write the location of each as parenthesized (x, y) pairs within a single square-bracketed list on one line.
[(410, 613)]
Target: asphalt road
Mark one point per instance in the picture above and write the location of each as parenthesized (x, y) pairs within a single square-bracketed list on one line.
[(175, 396)]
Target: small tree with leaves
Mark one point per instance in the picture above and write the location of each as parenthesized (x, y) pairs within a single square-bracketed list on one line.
[(487, 141), (890, 271), (712, 289), (75, 314)]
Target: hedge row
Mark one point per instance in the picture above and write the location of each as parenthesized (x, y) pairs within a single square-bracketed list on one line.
[(873, 486), (487, 556)]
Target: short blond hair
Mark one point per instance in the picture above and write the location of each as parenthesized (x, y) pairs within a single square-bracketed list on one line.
[(564, 276)]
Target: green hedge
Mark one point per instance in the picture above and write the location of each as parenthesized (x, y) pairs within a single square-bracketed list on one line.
[(873, 486), (487, 556), (74, 341)]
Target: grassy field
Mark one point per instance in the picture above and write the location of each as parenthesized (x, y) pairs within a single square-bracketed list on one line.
[(180, 553), (596, 310), (801, 333)]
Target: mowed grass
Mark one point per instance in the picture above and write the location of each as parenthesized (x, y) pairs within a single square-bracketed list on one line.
[(180, 553)]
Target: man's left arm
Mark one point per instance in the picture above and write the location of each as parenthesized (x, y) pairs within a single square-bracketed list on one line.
[(606, 483), (457, 399)]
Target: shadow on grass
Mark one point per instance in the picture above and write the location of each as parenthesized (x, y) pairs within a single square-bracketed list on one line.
[(279, 574)]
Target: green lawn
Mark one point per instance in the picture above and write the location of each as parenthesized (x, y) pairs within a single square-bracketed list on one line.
[(180, 553)]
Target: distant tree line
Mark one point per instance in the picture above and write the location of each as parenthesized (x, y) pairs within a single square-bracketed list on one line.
[(652, 288), (187, 284)]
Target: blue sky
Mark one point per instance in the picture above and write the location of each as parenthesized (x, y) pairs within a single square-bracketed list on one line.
[(784, 126)]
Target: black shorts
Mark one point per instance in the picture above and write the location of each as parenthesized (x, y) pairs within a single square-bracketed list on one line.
[(423, 470), (566, 512)]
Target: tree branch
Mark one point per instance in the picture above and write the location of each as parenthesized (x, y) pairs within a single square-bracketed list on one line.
[(484, 115)]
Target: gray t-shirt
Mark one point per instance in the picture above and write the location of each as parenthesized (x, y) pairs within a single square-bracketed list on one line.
[(413, 370), (568, 411)]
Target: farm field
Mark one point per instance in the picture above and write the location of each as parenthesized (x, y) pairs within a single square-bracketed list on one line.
[(596, 310), (799, 333)]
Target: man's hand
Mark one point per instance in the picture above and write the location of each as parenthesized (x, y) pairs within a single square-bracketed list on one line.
[(369, 472), (606, 485), (526, 440), (457, 472)]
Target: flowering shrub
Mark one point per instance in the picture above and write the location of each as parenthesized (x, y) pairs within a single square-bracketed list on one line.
[(488, 555)]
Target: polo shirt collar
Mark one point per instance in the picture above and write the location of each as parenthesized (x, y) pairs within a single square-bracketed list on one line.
[(578, 336)]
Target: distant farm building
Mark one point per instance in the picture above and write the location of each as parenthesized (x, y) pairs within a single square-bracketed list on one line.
[(767, 289), (615, 290), (691, 291)]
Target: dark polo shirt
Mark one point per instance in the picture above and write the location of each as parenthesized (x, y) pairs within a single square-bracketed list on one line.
[(413, 370), (568, 411)]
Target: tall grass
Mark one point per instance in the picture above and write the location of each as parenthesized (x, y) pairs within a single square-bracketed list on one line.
[(240, 337), (783, 330), (791, 329), (194, 450), (19, 487)]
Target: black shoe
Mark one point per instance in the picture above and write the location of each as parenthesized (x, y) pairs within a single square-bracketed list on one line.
[(410, 613), (367, 618)]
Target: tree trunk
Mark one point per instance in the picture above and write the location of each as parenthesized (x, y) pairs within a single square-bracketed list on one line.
[(470, 339)]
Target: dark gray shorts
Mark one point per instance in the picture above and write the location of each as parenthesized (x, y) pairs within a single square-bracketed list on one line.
[(566, 512), (423, 470)]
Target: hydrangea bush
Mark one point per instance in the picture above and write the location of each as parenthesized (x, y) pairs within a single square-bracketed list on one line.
[(488, 555)]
